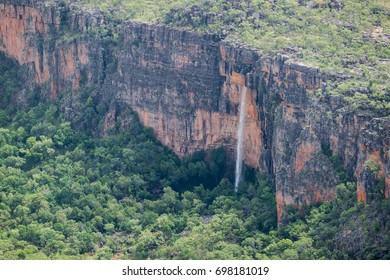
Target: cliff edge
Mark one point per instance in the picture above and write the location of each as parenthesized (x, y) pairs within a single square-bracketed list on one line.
[(187, 88)]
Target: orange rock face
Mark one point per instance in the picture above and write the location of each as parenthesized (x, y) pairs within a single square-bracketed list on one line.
[(280, 204), (303, 155), (370, 158), (361, 193), (15, 23), (210, 129), (23, 30), (237, 79)]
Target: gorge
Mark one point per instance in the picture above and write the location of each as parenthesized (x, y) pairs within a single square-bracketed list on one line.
[(187, 87)]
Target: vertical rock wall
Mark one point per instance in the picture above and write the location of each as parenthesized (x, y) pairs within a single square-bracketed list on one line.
[(187, 88), (45, 37)]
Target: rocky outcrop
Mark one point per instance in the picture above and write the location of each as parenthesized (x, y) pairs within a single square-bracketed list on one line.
[(180, 84), (373, 165), (44, 37), (187, 88)]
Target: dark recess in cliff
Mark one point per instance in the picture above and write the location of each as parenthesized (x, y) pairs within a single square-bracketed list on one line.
[(187, 87)]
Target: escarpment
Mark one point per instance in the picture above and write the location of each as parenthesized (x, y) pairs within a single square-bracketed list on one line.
[(187, 87)]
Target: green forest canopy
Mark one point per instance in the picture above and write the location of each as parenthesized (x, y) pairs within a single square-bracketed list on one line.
[(68, 195)]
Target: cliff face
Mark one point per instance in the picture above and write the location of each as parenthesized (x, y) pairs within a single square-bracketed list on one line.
[(187, 88), (179, 83), (38, 35)]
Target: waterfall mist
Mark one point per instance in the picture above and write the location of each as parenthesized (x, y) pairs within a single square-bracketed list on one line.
[(240, 135)]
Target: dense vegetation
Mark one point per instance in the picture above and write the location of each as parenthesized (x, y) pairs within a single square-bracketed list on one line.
[(348, 39), (66, 194)]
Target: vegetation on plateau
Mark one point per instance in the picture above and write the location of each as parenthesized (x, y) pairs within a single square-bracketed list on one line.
[(348, 39)]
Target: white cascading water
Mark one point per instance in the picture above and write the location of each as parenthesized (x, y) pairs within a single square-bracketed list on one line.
[(240, 136)]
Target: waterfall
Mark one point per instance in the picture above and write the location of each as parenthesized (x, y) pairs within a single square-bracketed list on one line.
[(240, 135)]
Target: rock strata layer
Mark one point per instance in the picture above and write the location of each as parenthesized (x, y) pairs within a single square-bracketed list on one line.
[(187, 87)]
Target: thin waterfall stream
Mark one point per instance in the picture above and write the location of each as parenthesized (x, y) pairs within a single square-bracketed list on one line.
[(240, 136)]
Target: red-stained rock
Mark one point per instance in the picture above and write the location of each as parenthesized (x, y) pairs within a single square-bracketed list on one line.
[(187, 87)]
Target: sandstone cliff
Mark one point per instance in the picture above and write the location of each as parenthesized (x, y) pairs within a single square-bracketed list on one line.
[(187, 88)]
